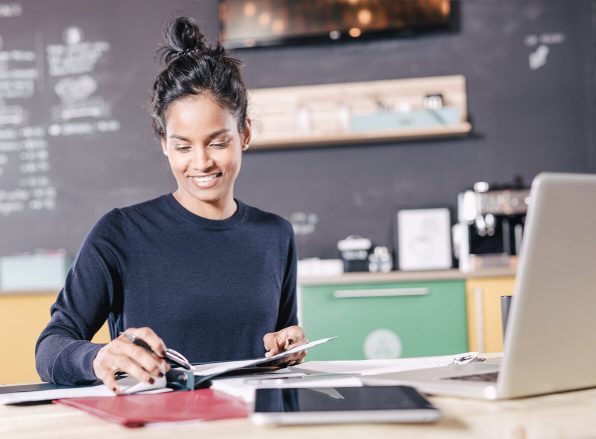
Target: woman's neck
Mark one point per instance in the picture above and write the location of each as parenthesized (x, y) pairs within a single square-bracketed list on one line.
[(217, 210)]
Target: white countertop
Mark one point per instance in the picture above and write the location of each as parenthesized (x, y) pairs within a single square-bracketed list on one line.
[(401, 276)]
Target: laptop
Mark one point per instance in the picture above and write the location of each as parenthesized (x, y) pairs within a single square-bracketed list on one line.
[(549, 344)]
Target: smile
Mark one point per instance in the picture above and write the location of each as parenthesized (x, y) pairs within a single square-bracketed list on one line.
[(206, 178), (206, 181)]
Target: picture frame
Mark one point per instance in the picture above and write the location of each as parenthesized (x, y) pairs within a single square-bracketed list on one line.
[(424, 239)]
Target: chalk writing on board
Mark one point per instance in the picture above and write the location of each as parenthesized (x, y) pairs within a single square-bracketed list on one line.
[(8, 10), (304, 223), (545, 38), (537, 58), (24, 155), (73, 63), (74, 56), (540, 45)]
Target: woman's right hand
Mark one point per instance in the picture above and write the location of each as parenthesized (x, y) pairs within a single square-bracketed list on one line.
[(122, 355)]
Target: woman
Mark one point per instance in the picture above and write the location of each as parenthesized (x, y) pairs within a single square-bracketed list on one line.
[(196, 270)]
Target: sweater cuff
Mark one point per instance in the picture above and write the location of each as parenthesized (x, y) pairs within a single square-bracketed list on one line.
[(74, 364)]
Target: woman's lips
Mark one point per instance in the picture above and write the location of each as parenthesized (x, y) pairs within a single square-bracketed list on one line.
[(206, 181)]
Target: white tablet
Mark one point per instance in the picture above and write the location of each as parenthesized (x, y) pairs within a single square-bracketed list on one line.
[(341, 405)]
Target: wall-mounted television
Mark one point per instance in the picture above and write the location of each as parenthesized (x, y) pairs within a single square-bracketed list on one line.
[(254, 23)]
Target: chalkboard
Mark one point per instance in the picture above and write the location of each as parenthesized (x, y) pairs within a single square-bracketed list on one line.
[(75, 138)]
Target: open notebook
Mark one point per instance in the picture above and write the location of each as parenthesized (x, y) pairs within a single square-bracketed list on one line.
[(208, 371), (202, 374)]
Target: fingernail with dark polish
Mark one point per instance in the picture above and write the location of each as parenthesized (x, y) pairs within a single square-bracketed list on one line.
[(160, 374), (151, 381), (163, 353)]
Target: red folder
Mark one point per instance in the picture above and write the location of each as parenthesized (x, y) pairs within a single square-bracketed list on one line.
[(138, 410)]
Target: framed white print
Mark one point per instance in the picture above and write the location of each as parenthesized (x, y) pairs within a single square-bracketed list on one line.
[(424, 239)]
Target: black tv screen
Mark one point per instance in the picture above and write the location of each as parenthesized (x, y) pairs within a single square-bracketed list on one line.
[(249, 23)]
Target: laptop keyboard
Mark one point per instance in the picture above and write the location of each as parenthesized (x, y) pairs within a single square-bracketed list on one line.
[(490, 377)]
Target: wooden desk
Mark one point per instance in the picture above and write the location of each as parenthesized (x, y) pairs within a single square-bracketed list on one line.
[(562, 415)]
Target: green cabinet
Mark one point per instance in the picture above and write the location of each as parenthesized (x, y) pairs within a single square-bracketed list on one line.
[(385, 320)]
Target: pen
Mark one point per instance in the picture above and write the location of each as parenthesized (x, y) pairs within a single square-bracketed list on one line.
[(172, 355)]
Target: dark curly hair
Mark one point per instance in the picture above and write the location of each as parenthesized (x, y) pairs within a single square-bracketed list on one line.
[(194, 68)]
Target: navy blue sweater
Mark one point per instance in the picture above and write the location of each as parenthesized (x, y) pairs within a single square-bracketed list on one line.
[(210, 289)]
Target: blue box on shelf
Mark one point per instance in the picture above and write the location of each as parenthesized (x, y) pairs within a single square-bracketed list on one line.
[(396, 120)]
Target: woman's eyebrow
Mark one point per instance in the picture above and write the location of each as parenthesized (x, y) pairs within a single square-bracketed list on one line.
[(217, 133), (176, 136), (210, 136)]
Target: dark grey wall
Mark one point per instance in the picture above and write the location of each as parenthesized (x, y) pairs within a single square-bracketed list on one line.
[(525, 121)]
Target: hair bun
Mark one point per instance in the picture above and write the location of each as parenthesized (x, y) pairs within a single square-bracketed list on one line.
[(182, 36)]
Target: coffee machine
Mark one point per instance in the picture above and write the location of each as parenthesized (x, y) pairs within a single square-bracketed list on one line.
[(490, 225)]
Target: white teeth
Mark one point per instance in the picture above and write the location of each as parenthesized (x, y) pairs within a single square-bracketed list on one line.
[(205, 179)]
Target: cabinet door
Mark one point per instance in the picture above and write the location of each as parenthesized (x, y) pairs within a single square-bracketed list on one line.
[(22, 318), (485, 330), (385, 320)]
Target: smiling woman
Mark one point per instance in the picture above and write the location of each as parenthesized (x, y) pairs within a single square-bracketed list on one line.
[(197, 270), (204, 149)]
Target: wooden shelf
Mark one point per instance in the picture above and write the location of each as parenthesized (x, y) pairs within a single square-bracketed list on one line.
[(358, 112), (459, 130)]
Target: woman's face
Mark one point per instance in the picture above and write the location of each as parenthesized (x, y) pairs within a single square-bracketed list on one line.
[(204, 149)]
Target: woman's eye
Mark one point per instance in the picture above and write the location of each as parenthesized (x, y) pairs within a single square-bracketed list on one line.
[(220, 144), (182, 148)]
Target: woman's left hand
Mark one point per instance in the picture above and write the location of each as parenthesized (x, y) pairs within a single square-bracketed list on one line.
[(284, 339)]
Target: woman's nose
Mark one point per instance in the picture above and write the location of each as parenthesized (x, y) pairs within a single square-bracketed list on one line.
[(201, 160)]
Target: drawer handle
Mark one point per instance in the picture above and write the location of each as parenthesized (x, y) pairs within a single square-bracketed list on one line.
[(385, 292)]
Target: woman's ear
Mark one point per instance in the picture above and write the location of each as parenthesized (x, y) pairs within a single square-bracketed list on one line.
[(164, 147), (246, 135)]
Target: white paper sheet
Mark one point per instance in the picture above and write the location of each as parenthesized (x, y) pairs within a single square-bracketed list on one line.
[(210, 369), (127, 385), (375, 367)]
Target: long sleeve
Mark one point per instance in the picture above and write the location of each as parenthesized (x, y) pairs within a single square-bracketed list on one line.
[(287, 315), (93, 289)]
